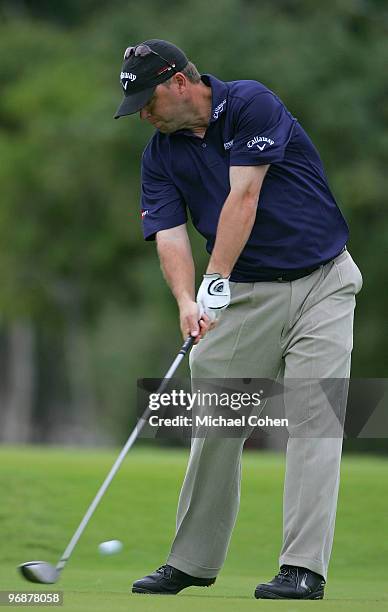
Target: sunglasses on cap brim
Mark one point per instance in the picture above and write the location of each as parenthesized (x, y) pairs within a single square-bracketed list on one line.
[(144, 51)]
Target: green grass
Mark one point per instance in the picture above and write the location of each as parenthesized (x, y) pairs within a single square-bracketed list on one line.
[(45, 492)]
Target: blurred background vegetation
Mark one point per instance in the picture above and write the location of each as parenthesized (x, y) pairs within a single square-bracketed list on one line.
[(84, 310)]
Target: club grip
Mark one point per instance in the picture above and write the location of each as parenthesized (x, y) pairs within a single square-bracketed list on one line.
[(186, 346)]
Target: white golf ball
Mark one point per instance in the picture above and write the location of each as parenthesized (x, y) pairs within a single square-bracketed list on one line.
[(111, 547)]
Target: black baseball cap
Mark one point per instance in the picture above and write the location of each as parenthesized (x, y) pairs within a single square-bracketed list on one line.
[(147, 65)]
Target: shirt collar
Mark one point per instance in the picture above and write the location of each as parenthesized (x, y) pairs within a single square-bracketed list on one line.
[(219, 95)]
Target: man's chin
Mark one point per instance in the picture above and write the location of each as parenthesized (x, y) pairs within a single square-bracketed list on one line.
[(165, 129)]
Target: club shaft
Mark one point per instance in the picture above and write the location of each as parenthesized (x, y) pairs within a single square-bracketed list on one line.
[(129, 443)]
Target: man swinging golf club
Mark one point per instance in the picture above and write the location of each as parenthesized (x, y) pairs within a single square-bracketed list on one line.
[(279, 276)]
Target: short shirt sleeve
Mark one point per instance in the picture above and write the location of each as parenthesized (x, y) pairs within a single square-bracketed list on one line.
[(263, 130), (162, 206)]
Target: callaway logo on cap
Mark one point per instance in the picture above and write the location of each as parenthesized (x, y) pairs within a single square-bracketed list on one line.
[(145, 66)]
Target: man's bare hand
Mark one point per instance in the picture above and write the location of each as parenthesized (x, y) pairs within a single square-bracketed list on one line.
[(191, 324)]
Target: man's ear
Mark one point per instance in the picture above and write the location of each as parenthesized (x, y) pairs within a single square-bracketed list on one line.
[(181, 81)]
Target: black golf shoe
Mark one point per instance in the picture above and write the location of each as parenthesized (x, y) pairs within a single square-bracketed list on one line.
[(168, 580), (292, 583)]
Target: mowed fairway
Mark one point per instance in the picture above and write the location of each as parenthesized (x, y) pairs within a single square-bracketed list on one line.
[(45, 492)]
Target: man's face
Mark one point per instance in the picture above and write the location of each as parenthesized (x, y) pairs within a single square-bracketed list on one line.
[(164, 111)]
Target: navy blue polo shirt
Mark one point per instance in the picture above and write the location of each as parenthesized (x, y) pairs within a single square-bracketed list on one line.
[(298, 223)]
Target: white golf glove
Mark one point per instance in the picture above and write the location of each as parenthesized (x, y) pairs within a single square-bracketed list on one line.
[(213, 295)]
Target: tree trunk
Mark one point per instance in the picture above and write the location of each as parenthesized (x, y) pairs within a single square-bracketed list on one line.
[(18, 384), (84, 426)]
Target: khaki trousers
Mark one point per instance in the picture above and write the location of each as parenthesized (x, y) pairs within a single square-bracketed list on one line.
[(300, 329)]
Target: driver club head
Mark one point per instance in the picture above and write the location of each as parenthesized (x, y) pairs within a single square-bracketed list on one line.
[(39, 571)]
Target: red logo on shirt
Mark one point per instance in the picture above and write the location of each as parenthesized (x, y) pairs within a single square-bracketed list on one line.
[(144, 213)]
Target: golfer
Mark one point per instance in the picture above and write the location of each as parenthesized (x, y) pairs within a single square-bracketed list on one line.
[(277, 298)]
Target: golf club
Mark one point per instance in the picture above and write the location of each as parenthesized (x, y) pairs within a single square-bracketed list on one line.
[(45, 573)]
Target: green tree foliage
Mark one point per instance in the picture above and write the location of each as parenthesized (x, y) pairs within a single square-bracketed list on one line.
[(71, 247)]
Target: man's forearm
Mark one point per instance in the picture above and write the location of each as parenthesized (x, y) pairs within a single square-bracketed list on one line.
[(177, 263), (234, 228)]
